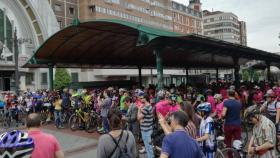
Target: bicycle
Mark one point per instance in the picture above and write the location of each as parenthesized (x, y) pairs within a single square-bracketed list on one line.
[(220, 146), (66, 114), (89, 119), (236, 151)]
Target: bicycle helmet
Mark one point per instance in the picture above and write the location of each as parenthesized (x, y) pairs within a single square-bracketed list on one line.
[(161, 94), (218, 96), (237, 144), (173, 97), (205, 107), (200, 97), (270, 93), (16, 144)]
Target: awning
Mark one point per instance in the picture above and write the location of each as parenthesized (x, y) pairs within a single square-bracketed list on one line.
[(119, 44)]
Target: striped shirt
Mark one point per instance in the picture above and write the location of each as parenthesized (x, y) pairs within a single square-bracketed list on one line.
[(264, 132), (271, 110), (146, 124)]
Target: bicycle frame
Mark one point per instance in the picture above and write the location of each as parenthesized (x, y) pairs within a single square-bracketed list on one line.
[(79, 114)]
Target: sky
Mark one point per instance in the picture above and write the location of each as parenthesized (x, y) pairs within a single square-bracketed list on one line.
[(262, 18)]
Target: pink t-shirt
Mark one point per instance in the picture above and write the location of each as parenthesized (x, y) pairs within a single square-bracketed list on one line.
[(219, 109), (138, 103), (163, 107), (174, 108), (211, 100), (45, 145), (224, 94)]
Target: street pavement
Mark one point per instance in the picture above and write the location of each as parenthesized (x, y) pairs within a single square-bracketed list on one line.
[(75, 144)]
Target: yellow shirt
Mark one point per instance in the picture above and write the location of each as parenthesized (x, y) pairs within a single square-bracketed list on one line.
[(57, 104)]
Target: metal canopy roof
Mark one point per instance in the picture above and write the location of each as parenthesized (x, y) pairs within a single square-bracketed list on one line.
[(118, 44)]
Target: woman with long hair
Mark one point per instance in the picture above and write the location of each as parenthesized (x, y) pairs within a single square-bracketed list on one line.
[(191, 128)]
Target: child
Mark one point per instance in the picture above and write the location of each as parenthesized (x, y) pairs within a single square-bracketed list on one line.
[(206, 130)]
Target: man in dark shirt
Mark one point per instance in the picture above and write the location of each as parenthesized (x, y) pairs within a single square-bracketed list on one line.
[(179, 143), (231, 114)]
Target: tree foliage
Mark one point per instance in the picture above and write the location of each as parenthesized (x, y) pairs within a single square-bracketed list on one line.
[(62, 78), (250, 75)]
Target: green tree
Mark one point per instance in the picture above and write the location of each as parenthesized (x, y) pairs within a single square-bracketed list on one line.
[(256, 76), (245, 75), (62, 78)]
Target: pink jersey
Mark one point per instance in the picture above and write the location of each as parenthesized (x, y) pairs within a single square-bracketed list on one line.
[(45, 145), (219, 109), (224, 94), (174, 108), (211, 100), (138, 103), (163, 107)]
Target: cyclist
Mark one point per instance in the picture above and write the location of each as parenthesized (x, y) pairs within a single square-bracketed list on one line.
[(162, 106), (16, 144), (263, 139), (206, 130), (174, 105), (271, 107), (219, 105)]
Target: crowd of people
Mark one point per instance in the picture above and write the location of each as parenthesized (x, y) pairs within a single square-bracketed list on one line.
[(186, 116)]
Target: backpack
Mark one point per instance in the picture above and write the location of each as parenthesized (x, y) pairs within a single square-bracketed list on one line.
[(123, 152), (272, 118)]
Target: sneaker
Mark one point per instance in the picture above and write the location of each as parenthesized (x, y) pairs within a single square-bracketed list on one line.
[(61, 127), (142, 151), (100, 129)]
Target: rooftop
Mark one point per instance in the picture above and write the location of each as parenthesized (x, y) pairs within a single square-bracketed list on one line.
[(114, 43)]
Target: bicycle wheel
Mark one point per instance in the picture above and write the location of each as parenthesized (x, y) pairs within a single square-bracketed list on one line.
[(230, 153), (44, 116), (74, 122), (219, 154), (64, 118), (91, 126)]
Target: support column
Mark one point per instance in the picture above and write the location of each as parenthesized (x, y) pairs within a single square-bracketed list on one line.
[(50, 77), (217, 75), (268, 71), (187, 75), (159, 69), (139, 76), (16, 63), (236, 72)]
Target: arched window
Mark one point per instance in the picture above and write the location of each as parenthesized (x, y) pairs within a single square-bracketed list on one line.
[(9, 32)]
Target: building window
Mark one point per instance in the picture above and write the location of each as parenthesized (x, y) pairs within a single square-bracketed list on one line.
[(57, 7), (60, 23), (71, 11), (44, 78), (75, 77), (92, 8), (29, 78)]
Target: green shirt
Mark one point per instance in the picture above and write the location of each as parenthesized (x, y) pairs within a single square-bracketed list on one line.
[(122, 106)]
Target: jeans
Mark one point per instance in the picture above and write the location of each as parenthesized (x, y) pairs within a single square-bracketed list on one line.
[(57, 116), (147, 139), (105, 124), (232, 132)]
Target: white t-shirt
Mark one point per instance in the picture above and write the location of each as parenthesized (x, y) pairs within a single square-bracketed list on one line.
[(28, 102)]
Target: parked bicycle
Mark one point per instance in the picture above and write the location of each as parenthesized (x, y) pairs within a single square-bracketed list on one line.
[(88, 120)]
